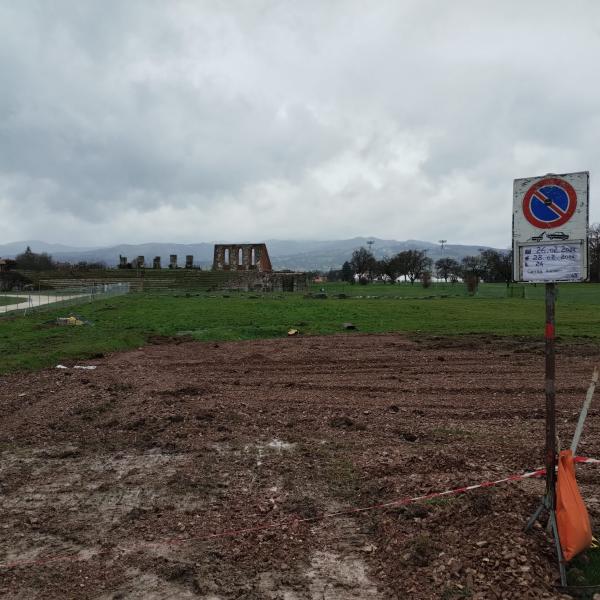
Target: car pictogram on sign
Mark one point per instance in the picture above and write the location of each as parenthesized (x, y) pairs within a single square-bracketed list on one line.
[(558, 235), (549, 203)]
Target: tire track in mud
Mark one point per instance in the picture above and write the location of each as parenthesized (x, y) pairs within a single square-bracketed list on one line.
[(166, 441)]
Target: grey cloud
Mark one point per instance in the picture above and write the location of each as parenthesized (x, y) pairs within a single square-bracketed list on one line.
[(406, 120)]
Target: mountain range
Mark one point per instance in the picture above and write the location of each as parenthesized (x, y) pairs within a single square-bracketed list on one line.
[(296, 255)]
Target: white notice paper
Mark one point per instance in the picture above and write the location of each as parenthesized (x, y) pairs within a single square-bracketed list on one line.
[(552, 262)]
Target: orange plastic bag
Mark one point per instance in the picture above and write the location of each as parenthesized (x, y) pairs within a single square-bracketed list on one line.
[(572, 519)]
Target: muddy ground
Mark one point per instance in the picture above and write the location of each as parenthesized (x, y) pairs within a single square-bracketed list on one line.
[(113, 480)]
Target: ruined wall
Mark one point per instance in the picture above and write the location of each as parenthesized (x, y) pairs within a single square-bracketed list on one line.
[(250, 281), (160, 280), (242, 257), (7, 264)]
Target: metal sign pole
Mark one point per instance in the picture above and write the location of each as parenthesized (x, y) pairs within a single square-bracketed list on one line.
[(550, 396), (548, 502)]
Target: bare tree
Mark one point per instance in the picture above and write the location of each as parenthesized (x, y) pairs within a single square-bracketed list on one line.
[(446, 267), (426, 279), (413, 263), (594, 251), (388, 266), (363, 262), (473, 268), (473, 265), (497, 265)]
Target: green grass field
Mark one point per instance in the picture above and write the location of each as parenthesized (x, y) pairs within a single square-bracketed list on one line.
[(587, 293), (128, 321), (7, 300)]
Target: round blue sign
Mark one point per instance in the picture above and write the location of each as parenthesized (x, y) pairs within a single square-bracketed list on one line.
[(549, 203)]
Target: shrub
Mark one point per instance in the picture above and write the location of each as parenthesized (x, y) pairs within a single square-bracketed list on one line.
[(472, 282)]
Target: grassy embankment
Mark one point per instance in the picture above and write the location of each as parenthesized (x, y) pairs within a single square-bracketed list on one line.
[(128, 321), (7, 300)]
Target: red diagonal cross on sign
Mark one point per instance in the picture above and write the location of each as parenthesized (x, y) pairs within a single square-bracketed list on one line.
[(557, 215), (549, 203)]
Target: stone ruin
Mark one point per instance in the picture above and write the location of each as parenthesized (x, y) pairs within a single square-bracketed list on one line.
[(6, 264), (251, 270), (140, 262), (243, 267), (242, 257), (136, 263)]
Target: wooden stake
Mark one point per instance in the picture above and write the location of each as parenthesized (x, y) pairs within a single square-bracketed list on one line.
[(584, 411)]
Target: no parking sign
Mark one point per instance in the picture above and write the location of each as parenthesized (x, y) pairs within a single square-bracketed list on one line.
[(550, 225), (550, 228)]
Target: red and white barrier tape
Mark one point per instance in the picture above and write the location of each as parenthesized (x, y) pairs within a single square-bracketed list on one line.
[(584, 459), (291, 522)]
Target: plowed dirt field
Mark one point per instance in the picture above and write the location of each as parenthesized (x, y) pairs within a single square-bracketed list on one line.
[(201, 470)]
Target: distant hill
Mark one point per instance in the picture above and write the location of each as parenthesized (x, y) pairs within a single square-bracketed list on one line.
[(297, 255), (332, 254), (13, 248)]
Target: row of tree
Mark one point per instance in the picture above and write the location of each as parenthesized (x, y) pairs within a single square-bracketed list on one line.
[(594, 252), (33, 261), (41, 261), (490, 265), (411, 264)]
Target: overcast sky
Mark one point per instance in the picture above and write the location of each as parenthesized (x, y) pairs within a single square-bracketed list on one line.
[(198, 121)]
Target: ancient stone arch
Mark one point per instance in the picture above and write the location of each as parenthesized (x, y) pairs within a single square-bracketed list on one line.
[(254, 257)]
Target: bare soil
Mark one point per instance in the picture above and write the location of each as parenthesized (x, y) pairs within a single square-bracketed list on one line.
[(113, 480)]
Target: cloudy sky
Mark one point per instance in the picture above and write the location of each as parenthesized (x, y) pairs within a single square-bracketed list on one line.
[(133, 121)]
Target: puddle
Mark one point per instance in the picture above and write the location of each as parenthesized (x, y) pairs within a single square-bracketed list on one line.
[(335, 577), (331, 576), (271, 587), (147, 586), (280, 445), (275, 444)]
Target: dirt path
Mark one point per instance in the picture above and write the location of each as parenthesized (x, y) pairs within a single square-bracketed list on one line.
[(35, 300), (124, 471)]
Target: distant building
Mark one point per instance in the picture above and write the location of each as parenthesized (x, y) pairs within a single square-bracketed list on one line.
[(242, 257), (7, 264)]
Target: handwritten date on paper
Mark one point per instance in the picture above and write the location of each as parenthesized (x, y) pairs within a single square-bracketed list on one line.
[(552, 262)]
